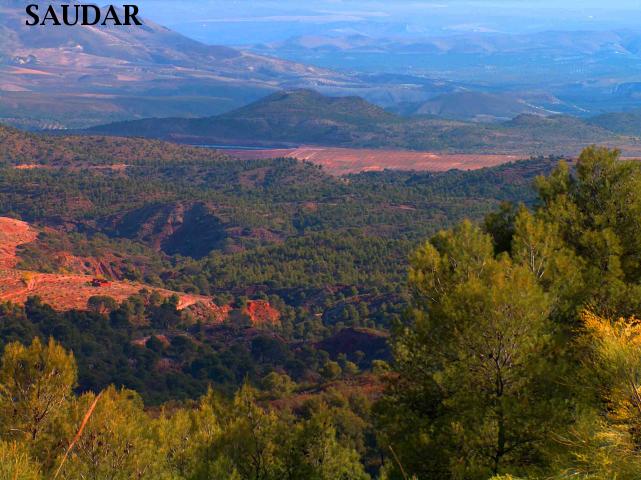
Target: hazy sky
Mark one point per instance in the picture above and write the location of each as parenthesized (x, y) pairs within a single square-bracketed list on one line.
[(238, 22)]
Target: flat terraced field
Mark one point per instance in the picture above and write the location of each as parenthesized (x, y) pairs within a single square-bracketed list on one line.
[(341, 161)]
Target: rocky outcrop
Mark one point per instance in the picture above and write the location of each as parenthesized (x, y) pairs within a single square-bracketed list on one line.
[(262, 313)]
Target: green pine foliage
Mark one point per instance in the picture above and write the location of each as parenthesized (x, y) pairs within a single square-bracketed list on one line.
[(519, 355), (515, 342)]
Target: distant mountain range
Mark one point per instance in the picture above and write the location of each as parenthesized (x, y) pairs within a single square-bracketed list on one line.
[(583, 72), (483, 57), (306, 117), (551, 42), (75, 76)]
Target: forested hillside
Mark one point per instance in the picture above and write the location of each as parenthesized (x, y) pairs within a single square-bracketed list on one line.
[(503, 314), (305, 117), (626, 123), (21, 148), (245, 213), (337, 342), (288, 255)]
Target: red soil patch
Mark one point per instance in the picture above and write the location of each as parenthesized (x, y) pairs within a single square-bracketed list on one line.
[(13, 233), (209, 312), (262, 313), (29, 166), (65, 292), (341, 161), (105, 266)]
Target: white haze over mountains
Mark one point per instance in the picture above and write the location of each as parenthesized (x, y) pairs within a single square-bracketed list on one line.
[(247, 22), (578, 57), (462, 59)]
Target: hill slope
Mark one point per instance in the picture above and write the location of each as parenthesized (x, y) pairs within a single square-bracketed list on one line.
[(72, 76), (477, 106), (297, 116), (303, 117), (624, 123), (62, 291), (24, 148)]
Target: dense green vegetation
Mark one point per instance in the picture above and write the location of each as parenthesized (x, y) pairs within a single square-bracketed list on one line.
[(327, 249), (146, 345), (511, 353), (513, 360), (518, 357), (277, 227), (20, 147), (47, 432)]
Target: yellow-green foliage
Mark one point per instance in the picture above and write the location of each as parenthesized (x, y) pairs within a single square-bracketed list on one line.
[(617, 356), (112, 437), (118, 441), (605, 444), (36, 385), (16, 464)]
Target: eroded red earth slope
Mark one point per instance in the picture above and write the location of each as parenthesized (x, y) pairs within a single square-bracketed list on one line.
[(67, 291)]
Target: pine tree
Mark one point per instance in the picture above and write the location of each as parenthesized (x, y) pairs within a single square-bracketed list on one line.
[(472, 392)]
